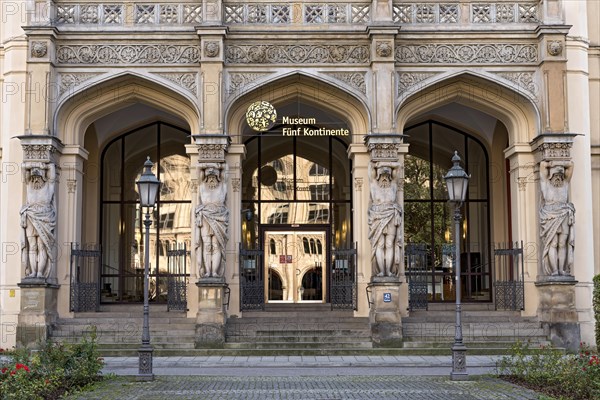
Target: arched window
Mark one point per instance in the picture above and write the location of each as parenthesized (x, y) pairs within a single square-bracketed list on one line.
[(319, 247), (272, 247), (428, 217), (121, 215), (306, 246), (313, 249)]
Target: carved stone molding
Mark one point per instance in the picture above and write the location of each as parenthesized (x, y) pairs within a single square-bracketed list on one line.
[(38, 152), (555, 48), (39, 49), (71, 185), (383, 49), (68, 81), (186, 80), (297, 54), (407, 80), (128, 54), (212, 148), (480, 53), (552, 151), (384, 147), (240, 82), (235, 184), (524, 80), (358, 184), (353, 79), (211, 49)]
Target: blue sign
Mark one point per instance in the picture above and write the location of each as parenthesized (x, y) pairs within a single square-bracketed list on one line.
[(387, 297)]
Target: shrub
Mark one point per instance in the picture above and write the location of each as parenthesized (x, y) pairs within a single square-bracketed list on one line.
[(574, 376), (51, 371), (596, 302)]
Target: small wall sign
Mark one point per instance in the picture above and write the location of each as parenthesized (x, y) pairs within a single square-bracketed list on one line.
[(387, 297)]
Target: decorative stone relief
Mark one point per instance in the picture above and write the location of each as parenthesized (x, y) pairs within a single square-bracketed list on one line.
[(358, 184), (235, 184), (127, 54), (480, 13), (184, 79), (297, 54), (309, 13), (524, 80), (71, 185), (481, 53), (38, 152), (381, 151), (211, 49), (39, 49), (143, 14), (68, 81), (242, 81), (557, 151), (522, 182), (353, 79), (555, 48), (384, 49), (211, 151), (407, 80), (194, 185)]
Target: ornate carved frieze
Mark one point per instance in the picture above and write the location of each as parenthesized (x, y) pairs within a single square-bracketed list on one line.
[(212, 148), (353, 79), (479, 13), (408, 80), (555, 151), (297, 54), (286, 13), (383, 151), (524, 80), (240, 82), (128, 54), (186, 80), (70, 80), (114, 14), (38, 152), (39, 49), (479, 53)]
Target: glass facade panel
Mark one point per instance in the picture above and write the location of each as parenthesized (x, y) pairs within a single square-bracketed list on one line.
[(111, 172)]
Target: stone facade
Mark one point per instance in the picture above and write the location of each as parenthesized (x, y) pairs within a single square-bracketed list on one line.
[(508, 73)]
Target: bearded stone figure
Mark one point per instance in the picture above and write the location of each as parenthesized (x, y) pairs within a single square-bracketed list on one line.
[(212, 220), (557, 217), (385, 219), (38, 220)]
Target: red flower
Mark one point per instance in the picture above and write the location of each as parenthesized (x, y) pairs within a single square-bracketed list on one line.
[(22, 366), (4, 370)]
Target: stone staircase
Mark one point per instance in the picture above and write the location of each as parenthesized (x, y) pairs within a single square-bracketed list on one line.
[(298, 329), (485, 331), (119, 329)]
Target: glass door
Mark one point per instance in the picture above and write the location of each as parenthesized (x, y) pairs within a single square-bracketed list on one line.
[(294, 264)]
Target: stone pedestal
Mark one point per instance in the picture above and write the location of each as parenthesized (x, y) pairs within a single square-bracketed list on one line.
[(38, 311), (211, 316), (557, 312), (385, 316)]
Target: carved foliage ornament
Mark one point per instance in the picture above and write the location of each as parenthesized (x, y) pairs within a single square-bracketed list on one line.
[(354, 79), (211, 151), (39, 49), (127, 54), (243, 81), (211, 49), (297, 54), (383, 151), (407, 80), (184, 79), (71, 80), (38, 152), (482, 53), (555, 150), (384, 49)]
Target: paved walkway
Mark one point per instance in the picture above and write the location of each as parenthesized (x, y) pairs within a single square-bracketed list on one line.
[(304, 378)]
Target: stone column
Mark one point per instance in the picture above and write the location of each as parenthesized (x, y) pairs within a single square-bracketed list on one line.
[(211, 223), (39, 286), (386, 235), (555, 281)]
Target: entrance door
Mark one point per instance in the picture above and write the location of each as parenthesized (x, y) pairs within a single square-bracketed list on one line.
[(295, 261)]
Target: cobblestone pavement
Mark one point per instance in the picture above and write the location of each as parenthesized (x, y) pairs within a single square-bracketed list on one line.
[(305, 388)]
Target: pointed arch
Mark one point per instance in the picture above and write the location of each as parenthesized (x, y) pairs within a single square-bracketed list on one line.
[(312, 89), (76, 112), (515, 109)]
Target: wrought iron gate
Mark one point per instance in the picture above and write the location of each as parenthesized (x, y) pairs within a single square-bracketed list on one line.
[(177, 280), (417, 274), (509, 281), (252, 281), (85, 278), (343, 279)]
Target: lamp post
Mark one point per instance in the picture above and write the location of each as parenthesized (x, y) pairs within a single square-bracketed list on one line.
[(147, 189), (457, 182)]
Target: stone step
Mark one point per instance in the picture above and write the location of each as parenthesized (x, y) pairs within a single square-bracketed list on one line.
[(298, 345), (299, 338), (496, 343), (108, 320), (294, 332)]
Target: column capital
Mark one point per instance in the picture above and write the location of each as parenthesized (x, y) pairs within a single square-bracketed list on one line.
[(384, 147), (553, 146), (212, 148), (40, 148)]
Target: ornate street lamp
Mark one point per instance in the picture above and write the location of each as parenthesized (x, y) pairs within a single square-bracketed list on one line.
[(457, 182), (148, 189)]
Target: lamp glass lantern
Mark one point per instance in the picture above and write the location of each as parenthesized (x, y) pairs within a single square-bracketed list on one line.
[(148, 185), (457, 181)]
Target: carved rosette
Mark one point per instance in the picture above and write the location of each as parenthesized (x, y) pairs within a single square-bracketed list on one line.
[(39, 49), (555, 48), (383, 49), (211, 49)]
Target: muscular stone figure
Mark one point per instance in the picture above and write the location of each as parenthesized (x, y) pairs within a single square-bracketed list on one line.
[(38, 220), (385, 219), (212, 220), (557, 217)]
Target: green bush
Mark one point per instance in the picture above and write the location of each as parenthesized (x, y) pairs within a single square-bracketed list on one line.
[(596, 302), (573, 376), (51, 371)]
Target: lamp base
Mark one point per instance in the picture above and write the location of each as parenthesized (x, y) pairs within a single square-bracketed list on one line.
[(459, 362), (145, 364)]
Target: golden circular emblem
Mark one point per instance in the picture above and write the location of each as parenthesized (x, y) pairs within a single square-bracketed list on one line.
[(261, 115)]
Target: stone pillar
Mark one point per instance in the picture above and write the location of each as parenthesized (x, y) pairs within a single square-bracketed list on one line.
[(39, 250), (386, 235), (211, 316), (555, 281)]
